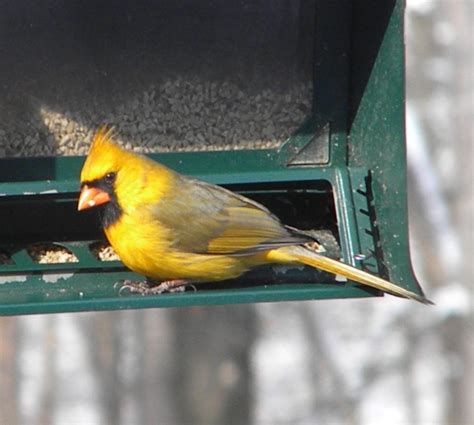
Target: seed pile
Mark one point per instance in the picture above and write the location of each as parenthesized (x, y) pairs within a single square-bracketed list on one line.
[(49, 253), (104, 252), (178, 115)]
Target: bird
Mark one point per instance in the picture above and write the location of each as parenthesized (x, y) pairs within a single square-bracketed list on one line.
[(178, 231)]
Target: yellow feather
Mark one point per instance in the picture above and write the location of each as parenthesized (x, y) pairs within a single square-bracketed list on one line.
[(299, 254)]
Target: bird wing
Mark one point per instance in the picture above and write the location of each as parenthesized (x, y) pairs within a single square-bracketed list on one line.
[(208, 219)]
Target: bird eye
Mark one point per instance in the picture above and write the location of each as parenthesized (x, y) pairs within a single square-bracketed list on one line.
[(110, 177)]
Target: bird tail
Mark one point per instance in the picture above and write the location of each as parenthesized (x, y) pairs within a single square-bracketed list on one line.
[(299, 254)]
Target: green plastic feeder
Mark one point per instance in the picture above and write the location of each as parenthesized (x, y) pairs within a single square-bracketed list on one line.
[(342, 173)]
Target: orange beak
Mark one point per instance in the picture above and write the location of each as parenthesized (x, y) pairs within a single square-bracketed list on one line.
[(91, 197)]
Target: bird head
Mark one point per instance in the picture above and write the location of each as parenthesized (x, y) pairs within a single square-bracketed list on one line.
[(120, 180), (101, 170)]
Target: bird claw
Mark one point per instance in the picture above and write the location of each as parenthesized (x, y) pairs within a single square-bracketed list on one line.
[(134, 287), (145, 288)]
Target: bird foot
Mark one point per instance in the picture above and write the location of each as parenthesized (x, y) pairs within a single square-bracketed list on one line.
[(150, 288)]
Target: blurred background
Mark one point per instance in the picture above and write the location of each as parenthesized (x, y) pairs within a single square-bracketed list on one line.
[(338, 362)]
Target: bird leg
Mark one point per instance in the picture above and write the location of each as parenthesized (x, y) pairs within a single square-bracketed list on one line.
[(148, 287)]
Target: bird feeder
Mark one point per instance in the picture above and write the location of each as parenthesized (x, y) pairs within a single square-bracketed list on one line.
[(341, 173)]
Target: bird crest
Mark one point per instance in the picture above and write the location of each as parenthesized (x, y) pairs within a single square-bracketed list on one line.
[(105, 155), (103, 135)]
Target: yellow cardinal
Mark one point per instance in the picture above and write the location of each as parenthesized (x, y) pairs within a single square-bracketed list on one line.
[(182, 231)]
